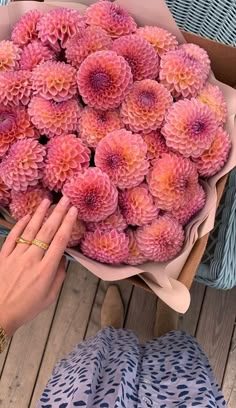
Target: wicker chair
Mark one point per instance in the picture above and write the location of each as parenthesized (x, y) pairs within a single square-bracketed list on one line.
[(218, 267), (212, 19)]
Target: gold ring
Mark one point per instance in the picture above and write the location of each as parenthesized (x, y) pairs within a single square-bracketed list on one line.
[(40, 244), (21, 240)]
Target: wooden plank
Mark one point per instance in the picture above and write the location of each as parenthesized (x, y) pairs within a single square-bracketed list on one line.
[(2, 239), (3, 357), (95, 319), (229, 382), (23, 359), (215, 327), (4, 354), (166, 319), (188, 322), (70, 321), (141, 314)]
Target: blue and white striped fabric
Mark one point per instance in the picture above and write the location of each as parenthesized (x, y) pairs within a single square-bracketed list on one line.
[(4, 2)]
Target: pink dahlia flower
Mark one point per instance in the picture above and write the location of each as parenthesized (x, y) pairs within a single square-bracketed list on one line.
[(156, 144), (23, 164), (15, 87), (26, 202), (161, 240), (198, 54), (181, 74), (122, 155), (172, 181), (54, 80), (94, 125), (66, 157), (14, 124), (34, 54), (9, 56), (86, 42), (213, 159), (110, 247), (111, 17), (53, 118), (212, 96), (93, 194), (139, 54), (145, 107), (114, 221), (189, 128), (5, 194), (77, 234), (161, 40), (137, 206), (25, 30), (104, 79), (135, 257), (59, 25), (190, 208)]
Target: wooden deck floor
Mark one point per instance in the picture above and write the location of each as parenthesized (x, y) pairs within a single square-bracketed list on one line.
[(28, 362)]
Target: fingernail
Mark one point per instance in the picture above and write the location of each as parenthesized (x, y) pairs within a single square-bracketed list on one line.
[(45, 203), (73, 211), (64, 201)]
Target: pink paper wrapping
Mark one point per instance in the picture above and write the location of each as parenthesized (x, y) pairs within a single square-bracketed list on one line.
[(161, 278)]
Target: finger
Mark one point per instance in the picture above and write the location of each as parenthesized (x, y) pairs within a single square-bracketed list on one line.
[(34, 225), (10, 242), (57, 282), (49, 229), (60, 241)]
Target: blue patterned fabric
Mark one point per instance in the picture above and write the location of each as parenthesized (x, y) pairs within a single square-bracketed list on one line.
[(112, 370)]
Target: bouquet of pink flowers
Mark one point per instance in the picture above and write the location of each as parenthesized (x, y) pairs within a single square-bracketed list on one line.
[(120, 119)]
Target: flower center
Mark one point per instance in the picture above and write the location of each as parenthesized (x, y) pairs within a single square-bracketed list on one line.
[(114, 160), (188, 58), (3, 117), (7, 120), (180, 184), (90, 199), (117, 13), (100, 81), (132, 63), (147, 99), (102, 117), (197, 127), (191, 58)]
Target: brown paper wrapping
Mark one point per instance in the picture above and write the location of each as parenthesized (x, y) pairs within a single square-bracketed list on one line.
[(161, 278)]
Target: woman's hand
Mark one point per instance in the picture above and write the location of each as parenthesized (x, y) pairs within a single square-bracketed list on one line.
[(31, 278)]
